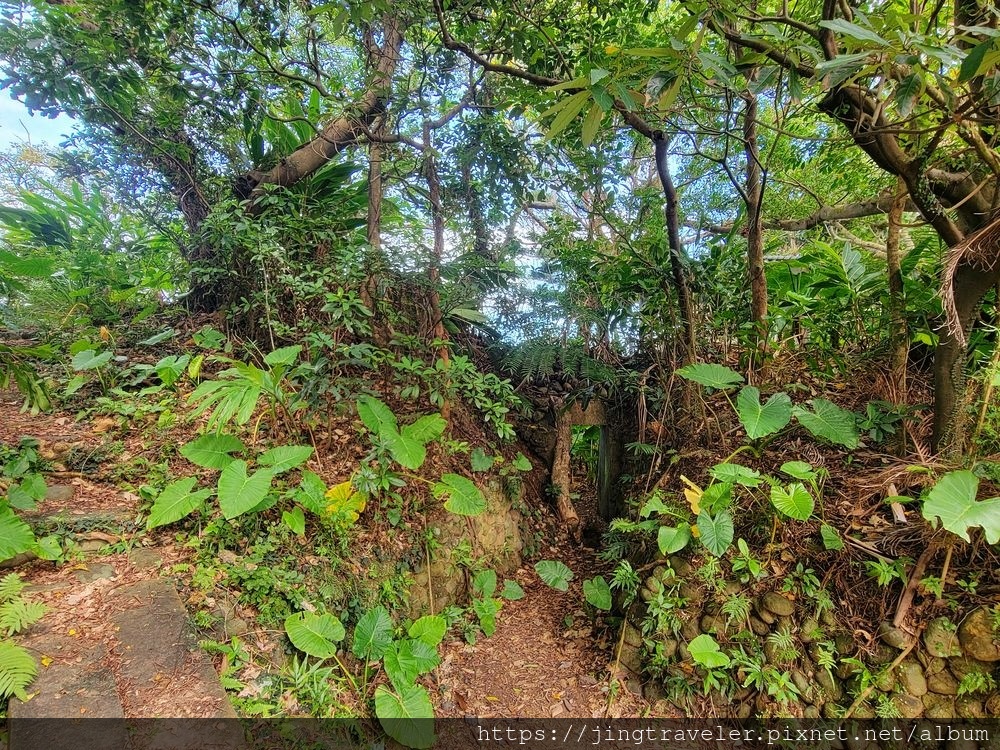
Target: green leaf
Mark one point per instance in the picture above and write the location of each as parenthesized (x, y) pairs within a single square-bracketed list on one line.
[(798, 470), (91, 360), (716, 532), (566, 115), (484, 583), (671, 539), (597, 592), (212, 451), (762, 420), (953, 501), (481, 461), (842, 26), (906, 93), (372, 634), (425, 429), (464, 498), (705, 651), (521, 463), (49, 547), (158, 338), (285, 457), (831, 538), (407, 717), (591, 123), (240, 493), (286, 355), (315, 634), (711, 375), (735, 474), (375, 415), (830, 422), (973, 62), (15, 535), (175, 502), (512, 590), (795, 501), (295, 519), (406, 660), (407, 451), (564, 86), (598, 74), (430, 629), (311, 494), (553, 573)]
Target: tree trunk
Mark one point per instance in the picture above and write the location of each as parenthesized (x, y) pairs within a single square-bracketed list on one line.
[(561, 480), (676, 250), (755, 227), (899, 339), (434, 269)]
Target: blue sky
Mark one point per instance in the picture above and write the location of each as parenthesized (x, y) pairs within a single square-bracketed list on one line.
[(16, 125)]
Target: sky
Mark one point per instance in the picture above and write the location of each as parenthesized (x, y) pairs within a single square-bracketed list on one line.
[(17, 126)]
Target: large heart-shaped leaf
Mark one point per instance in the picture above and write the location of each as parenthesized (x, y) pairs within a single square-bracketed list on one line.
[(240, 493), (425, 429), (375, 415), (671, 539), (15, 535), (408, 659), (464, 498), (88, 359), (711, 375), (430, 629), (408, 451), (716, 532), (285, 457), (212, 451), (597, 593), (315, 634), (372, 634), (953, 501), (554, 574), (794, 501), (406, 716), (830, 422), (735, 474), (176, 501), (705, 651), (311, 493), (760, 420)]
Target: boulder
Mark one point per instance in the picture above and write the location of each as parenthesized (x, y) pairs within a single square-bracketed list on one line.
[(977, 636)]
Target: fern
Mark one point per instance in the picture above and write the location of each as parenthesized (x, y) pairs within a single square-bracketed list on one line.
[(542, 357), (19, 614), (11, 586), (17, 670)]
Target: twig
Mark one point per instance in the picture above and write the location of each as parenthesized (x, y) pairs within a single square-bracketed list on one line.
[(868, 690), (911, 587)]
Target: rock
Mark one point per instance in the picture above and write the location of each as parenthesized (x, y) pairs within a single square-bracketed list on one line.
[(654, 584), (714, 624), (893, 636), (911, 678), (91, 546), (776, 603), (844, 643), (811, 712), (938, 706), (882, 654), (764, 614), (145, 559), (969, 707), (864, 711), (94, 572), (885, 681), (668, 648), (963, 665), (692, 594), (992, 705), (744, 711), (941, 638), (681, 566), (60, 493), (758, 626), (977, 637), (660, 572), (832, 711), (632, 636), (689, 630), (631, 658), (830, 686), (732, 588), (801, 682), (808, 631), (942, 683), (909, 706)]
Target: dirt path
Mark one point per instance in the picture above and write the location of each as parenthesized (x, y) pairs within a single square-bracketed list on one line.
[(115, 641), (547, 657)]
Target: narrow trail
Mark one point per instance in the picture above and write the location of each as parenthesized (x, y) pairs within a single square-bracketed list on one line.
[(547, 658), (115, 641)]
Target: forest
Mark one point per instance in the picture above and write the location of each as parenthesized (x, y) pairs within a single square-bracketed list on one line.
[(425, 359)]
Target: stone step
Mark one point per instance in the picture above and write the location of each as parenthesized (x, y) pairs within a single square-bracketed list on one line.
[(153, 670)]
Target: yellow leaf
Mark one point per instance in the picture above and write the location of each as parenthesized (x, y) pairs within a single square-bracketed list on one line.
[(105, 334), (612, 49), (492, 698), (345, 502), (693, 494), (695, 532), (339, 492), (72, 631), (46, 661)]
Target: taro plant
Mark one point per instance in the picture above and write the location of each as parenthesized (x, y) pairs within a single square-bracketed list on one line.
[(403, 707), (953, 502)]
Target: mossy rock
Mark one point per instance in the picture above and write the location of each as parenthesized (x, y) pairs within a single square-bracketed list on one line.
[(941, 638), (977, 637)]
